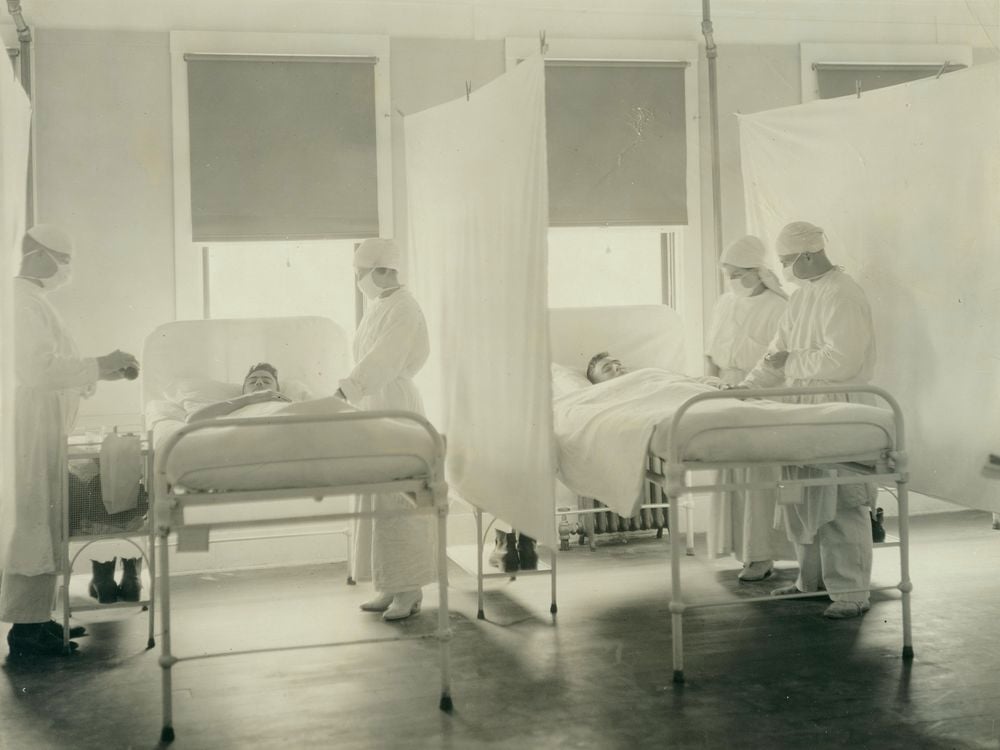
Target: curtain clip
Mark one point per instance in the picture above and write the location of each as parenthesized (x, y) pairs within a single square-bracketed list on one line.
[(941, 69), (543, 46), (857, 88), (468, 90)]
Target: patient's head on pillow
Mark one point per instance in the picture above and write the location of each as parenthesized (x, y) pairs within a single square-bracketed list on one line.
[(603, 366), (261, 377)]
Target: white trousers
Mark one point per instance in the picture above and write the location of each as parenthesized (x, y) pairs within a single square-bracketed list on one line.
[(840, 557), (403, 548), (27, 599)]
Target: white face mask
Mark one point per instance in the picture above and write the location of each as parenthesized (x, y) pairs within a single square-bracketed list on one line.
[(788, 272), (60, 278), (368, 287), (739, 286)]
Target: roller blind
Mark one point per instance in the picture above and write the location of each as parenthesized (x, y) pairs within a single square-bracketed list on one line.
[(841, 79), (282, 147), (617, 148)]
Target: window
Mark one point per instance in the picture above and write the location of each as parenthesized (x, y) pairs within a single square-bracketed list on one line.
[(844, 79), (275, 279), (281, 164), (831, 70), (623, 157), (598, 267)]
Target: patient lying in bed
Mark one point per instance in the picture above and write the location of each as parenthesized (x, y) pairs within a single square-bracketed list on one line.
[(259, 386)]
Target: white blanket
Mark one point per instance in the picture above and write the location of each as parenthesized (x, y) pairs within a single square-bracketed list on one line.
[(605, 431)]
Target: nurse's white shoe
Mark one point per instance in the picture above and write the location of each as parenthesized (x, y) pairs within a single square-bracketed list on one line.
[(379, 604), (757, 570), (846, 609), (404, 604)]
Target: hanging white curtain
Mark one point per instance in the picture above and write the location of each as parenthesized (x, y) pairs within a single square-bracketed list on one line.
[(478, 219), (15, 126), (906, 182)]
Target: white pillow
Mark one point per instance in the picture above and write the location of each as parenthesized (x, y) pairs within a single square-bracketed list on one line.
[(566, 380), (296, 390)]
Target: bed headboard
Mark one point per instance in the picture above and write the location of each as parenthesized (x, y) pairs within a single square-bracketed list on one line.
[(312, 350), (638, 335)]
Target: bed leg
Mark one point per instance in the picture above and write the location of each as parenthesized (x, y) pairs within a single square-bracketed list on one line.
[(675, 480), (151, 564), (480, 614), (167, 659), (352, 578), (905, 585), (444, 632), (689, 528), (553, 608)]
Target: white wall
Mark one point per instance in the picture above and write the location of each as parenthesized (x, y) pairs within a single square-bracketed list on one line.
[(103, 171)]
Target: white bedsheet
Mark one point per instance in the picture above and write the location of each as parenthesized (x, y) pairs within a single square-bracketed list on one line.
[(604, 432), (285, 456)]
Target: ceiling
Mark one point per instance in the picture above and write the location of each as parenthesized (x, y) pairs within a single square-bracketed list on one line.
[(947, 21)]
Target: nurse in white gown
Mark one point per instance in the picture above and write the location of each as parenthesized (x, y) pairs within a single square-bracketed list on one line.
[(826, 337), (50, 378), (744, 321), (390, 347)]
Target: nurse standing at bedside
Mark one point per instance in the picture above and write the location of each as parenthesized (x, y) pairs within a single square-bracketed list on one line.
[(390, 347), (743, 323)]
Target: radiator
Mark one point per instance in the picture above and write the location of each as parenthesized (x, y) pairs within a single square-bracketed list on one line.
[(590, 525)]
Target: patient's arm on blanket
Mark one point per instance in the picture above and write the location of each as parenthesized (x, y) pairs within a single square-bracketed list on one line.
[(329, 405), (225, 408)]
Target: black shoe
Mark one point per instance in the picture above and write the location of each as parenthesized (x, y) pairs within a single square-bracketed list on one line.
[(130, 588), (35, 640), (504, 554), (102, 585), (526, 552), (57, 630), (878, 529)]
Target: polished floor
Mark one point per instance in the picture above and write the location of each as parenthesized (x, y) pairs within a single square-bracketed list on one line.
[(774, 675)]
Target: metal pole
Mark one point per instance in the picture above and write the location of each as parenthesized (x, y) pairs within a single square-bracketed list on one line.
[(711, 52)]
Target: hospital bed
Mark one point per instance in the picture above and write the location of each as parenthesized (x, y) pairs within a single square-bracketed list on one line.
[(280, 459), (711, 430), (641, 336)]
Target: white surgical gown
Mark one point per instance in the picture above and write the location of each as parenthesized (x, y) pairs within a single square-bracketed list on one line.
[(390, 347), (743, 522), (50, 378), (828, 333)]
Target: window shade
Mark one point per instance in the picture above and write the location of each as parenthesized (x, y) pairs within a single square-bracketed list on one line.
[(617, 148), (839, 79), (282, 148)]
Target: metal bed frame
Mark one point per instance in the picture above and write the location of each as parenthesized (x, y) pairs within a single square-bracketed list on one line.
[(890, 465), (428, 490)]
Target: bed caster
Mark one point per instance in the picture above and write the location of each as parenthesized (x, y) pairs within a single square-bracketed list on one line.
[(553, 609), (167, 735), (480, 615), (907, 652), (678, 676), (151, 643), (446, 705), (659, 533), (351, 581)]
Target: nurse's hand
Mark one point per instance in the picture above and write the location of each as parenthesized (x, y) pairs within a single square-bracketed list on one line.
[(113, 366)]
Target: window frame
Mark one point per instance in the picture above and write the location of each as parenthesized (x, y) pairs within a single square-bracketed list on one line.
[(188, 268), (874, 54), (689, 274)]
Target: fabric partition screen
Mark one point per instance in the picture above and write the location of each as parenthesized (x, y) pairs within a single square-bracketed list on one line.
[(478, 218), (15, 129), (906, 182)]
